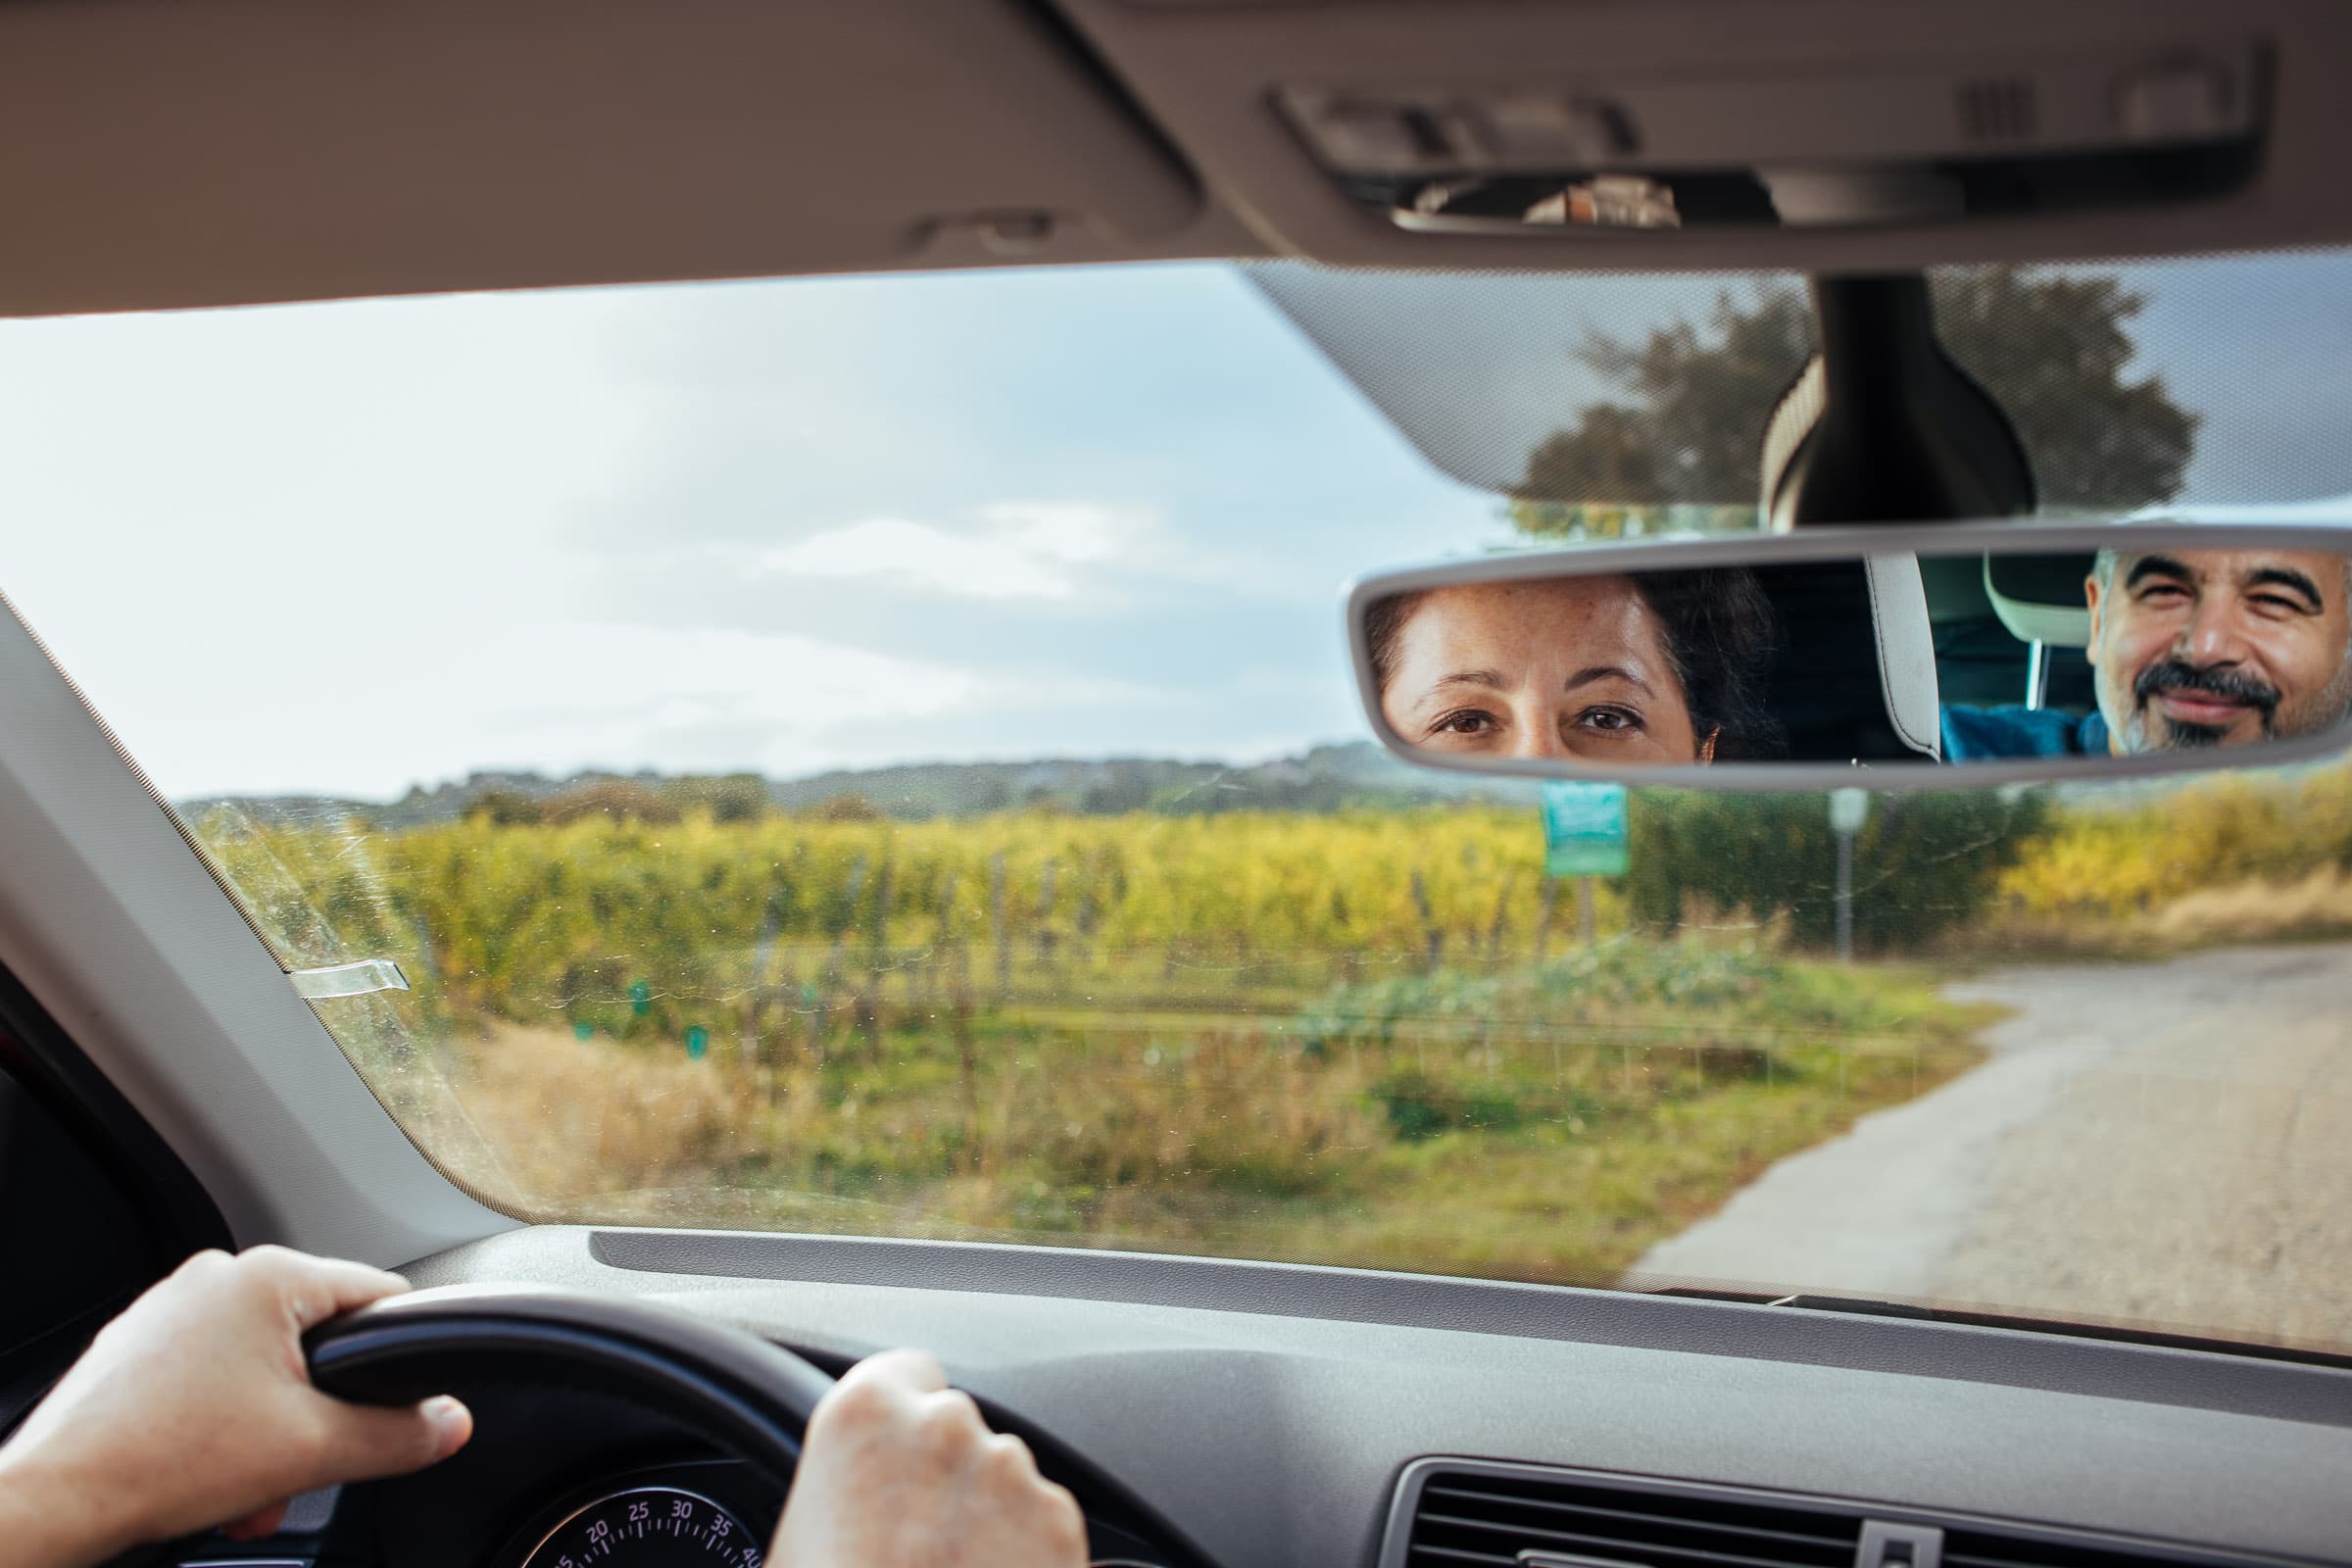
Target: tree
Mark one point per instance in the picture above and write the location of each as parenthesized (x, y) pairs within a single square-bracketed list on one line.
[(1925, 864), (506, 808), (618, 798), (728, 798), (1681, 444), (2054, 351), (846, 806)]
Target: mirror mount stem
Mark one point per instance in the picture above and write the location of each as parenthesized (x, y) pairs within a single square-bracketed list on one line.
[(1904, 435)]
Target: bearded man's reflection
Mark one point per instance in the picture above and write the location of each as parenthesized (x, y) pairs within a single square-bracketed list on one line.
[(2193, 648)]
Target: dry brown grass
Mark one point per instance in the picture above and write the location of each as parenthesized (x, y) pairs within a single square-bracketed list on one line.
[(1547, 1143), (2314, 908), (541, 1122), (548, 1120), (2320, 905)]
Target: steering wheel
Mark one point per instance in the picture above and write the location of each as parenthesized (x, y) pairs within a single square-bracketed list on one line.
[(744, 1394)]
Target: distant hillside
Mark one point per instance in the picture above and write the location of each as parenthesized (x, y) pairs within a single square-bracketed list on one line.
[(1327, 778)]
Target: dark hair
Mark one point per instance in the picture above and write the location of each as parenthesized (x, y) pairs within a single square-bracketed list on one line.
[(1383, 621), (1719, 633)]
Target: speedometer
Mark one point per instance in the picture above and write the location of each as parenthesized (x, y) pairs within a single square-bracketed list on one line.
[(649, 1526)]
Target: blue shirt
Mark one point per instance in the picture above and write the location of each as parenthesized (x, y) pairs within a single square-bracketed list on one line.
[(1979, 734)]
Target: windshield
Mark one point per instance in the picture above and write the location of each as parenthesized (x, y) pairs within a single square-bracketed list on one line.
[(878, 755)]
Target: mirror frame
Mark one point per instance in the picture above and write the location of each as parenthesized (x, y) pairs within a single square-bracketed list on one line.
[(1689, 551)]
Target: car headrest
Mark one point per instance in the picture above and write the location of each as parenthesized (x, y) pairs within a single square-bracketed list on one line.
[(1899, 599), (2040, 598), (1906, 648), (1852, 673)]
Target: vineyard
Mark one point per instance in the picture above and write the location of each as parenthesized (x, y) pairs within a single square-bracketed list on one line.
[(1374, 1036), (1379, 1038), (623, 928), (2110, 866)]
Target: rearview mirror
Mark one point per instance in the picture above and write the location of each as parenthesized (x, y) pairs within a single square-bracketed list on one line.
[(1926, 657)]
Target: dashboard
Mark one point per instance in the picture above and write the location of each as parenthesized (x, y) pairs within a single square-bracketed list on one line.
[(1273, 1416)]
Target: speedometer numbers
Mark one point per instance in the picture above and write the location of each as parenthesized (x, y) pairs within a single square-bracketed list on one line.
[(649, 1526), (670, 1527)]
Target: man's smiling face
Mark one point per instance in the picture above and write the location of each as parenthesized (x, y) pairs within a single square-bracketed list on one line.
[(2218, 647)]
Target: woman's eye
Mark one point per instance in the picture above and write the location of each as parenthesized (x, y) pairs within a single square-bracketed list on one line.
[(1469, 721), (1609, 720)]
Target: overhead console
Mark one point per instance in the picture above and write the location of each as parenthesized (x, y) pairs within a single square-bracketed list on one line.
[(1817, 135), (1927, 142)]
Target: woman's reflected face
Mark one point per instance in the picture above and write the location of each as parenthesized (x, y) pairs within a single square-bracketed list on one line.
[(1559, 667)]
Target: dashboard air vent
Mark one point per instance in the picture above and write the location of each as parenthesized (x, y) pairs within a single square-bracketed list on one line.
[(1488, 1515), (1465, 1513)]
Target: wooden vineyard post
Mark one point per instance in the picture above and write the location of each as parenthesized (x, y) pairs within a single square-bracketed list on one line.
[(996, 923)]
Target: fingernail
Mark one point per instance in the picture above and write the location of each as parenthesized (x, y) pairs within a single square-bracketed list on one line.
[(451, 1424)]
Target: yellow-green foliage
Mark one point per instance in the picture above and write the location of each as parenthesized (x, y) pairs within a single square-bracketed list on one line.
[(1368, 1038), (522, 921), (2118, 863)]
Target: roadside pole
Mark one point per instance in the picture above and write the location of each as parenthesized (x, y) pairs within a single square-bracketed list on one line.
[(1848, 809)]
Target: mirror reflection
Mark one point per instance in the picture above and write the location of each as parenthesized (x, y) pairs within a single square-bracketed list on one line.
[(2151, 645), (1626, 668), (2199, 648)]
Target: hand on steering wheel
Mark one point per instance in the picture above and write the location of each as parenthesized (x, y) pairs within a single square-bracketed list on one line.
[(238, 1383), (901, 1468), (194, 1408)]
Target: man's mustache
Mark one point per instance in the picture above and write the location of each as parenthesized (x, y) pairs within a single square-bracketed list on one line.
[(2224, 682)]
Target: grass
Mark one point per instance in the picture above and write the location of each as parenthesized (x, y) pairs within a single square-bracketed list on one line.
[(2313, 908), (1542, 1122), (1365, 1039)]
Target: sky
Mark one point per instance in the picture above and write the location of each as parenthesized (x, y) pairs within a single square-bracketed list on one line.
[(790, 526), (782, 526)]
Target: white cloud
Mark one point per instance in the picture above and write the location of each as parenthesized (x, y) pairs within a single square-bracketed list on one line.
[(1062, 531), (1022, 550), (228, 524), (658, 677)]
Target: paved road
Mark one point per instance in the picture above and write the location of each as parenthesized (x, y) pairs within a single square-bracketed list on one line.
[(2169, 1144)]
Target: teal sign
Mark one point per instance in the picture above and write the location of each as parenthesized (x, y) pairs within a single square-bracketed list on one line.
[(1584, 829), (641, 998), (698, 1041)]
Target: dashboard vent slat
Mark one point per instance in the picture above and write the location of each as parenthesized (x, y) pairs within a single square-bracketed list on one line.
[(1466, 1517), (1824, 1530), (1578, 1542)]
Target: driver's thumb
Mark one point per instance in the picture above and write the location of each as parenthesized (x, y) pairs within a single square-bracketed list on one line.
[(365, 1442)]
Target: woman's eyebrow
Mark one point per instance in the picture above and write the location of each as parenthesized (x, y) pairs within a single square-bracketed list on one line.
[(1490, 678), (1592, 673)]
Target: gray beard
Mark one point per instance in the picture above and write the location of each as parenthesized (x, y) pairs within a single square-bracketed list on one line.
[(2198, 737), (2184, 737)]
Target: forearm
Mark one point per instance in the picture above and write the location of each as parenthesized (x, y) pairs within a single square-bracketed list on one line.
[(45, 1519)]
